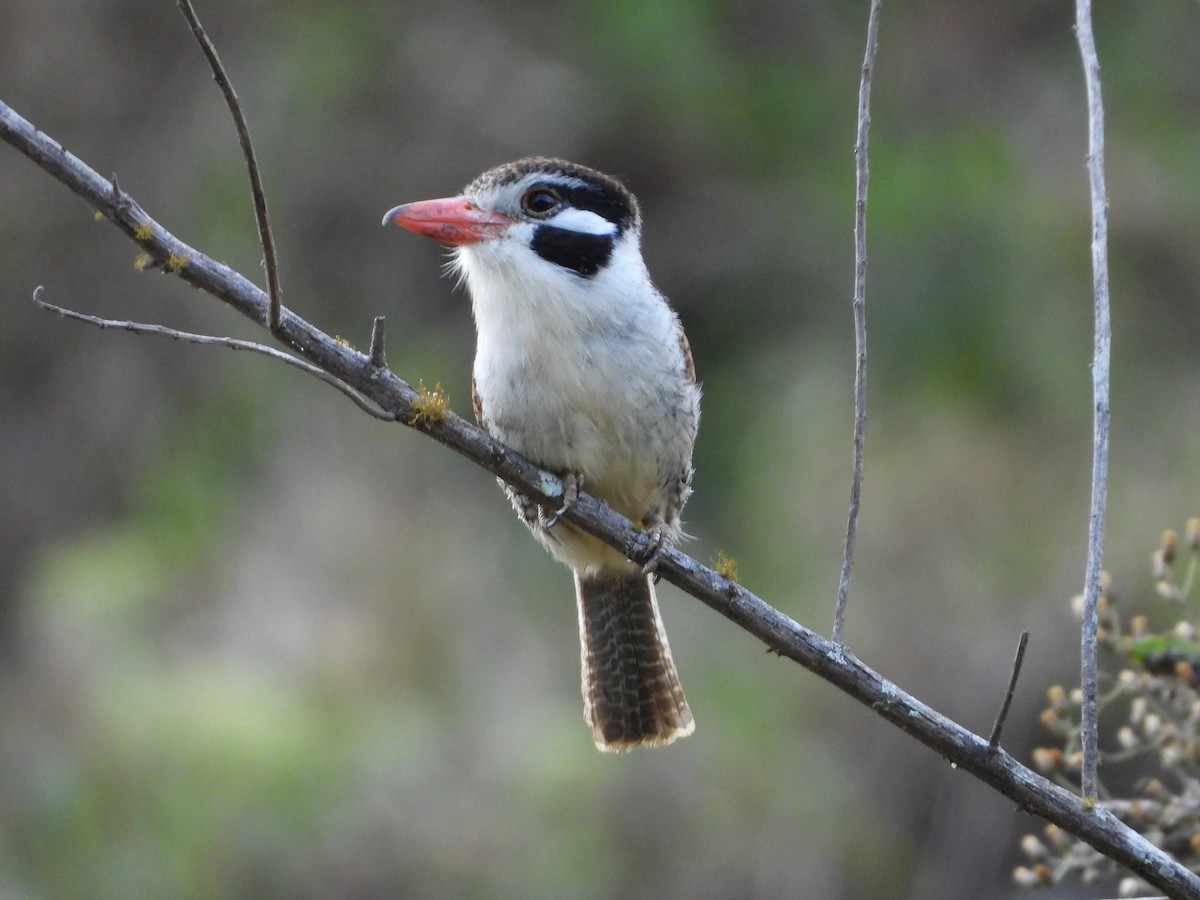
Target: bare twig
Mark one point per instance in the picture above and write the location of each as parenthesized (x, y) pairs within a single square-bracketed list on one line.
[(232, 343), (378, 354), (1100, 376), (1018, 661), (266, 238), (831, 662), (860, 315)]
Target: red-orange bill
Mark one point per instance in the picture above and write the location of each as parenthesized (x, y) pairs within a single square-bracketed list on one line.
[(453, 220)]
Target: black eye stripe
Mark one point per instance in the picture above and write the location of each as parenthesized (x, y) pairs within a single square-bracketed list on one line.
[(584, 254), (576, 185), (608, 205)]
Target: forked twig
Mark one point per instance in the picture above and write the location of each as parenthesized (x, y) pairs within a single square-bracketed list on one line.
[(860, 316), (266, 238)]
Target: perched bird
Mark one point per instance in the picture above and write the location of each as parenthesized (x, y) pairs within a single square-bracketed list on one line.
[(583, 368)]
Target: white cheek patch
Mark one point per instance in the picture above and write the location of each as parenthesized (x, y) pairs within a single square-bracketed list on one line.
[(582, 221)]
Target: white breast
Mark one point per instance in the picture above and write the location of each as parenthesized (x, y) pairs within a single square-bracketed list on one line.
[(578, 374)]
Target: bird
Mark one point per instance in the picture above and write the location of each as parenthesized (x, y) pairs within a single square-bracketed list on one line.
[(582, 366)]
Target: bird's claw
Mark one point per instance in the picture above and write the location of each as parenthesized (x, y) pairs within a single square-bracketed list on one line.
[(572, 483), (656, 528)]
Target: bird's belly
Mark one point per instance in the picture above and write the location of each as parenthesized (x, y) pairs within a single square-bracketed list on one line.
[(612, 445), (621, 414)]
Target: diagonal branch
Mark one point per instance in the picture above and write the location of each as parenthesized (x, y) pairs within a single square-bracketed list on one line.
[(831, 662)]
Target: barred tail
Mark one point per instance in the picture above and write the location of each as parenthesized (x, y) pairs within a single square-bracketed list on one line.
[(631, 691)]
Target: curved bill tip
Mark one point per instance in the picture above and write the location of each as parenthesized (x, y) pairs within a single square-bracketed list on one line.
[(393, 212)]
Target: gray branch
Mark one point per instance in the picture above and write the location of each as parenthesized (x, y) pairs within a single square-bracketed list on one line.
[(232, 343), (1100, 374), (834, 663), (862, 181)]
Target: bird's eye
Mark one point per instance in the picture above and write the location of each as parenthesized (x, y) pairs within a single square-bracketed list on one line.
[(540, 201)]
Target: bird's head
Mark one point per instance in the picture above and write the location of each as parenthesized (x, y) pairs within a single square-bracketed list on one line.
[(531, 213)]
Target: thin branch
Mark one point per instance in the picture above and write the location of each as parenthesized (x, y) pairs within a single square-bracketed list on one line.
[(831, 662), (266, 238), (1100, 377), (1018, 661), (232, 343), (860, 315)]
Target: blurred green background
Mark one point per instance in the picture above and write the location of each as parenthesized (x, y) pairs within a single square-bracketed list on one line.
[(256, 644)]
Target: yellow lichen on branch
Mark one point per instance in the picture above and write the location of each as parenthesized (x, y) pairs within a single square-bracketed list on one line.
[(431, 405)]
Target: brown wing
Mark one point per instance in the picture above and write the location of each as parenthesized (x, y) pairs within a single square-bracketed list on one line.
[(687, 356), (477, 404)]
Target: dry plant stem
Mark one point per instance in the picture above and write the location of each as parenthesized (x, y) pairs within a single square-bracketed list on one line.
[(1018, 661), (1100, 375), (863, 173), (832, 662), (266, 238)]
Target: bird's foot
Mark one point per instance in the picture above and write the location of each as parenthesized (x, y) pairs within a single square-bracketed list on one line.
[(656, 527), (572, 485)]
